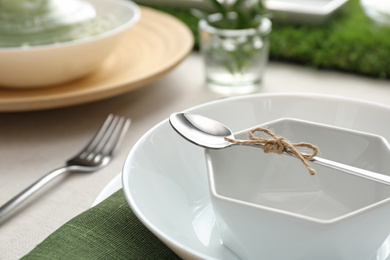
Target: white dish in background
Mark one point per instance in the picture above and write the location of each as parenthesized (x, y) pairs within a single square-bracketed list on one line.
[(377, 10), (254, 194), (303, 11), (52, 64), (165, 177), (124, 70)]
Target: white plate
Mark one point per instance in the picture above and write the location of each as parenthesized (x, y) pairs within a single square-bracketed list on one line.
[(164, 176), (304, 11), (113, 186)]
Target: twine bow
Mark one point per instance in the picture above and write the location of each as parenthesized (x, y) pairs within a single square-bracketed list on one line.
[(278, 144)]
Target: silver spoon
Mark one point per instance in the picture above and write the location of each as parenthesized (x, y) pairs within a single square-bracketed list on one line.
[(208, 133)]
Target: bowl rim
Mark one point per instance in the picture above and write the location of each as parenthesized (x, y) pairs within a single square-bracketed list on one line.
[(116, 30), (324, 222), (322, 125)]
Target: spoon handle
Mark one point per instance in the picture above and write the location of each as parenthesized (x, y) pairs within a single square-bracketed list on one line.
[(385, 179), (370, 175)]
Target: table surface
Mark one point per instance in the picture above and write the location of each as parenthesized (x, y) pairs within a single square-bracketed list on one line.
[(33, 143)]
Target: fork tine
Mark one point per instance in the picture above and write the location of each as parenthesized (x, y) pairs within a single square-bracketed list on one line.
[(94, 150), (115, 138), (98, 136), (110, 139)]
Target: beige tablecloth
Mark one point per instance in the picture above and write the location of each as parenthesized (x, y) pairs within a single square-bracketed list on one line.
[(33, 143)]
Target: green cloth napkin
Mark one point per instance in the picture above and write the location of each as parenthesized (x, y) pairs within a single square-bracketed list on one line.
[(110, 230)]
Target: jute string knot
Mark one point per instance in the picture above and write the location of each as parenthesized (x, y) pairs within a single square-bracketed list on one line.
[(279, 145)]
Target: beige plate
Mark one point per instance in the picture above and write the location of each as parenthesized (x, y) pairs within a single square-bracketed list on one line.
[(154, 46)]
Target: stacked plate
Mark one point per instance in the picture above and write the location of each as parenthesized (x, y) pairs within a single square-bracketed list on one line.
[(166, 183)]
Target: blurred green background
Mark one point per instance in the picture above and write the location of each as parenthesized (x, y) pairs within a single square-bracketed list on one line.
[(349, 41)]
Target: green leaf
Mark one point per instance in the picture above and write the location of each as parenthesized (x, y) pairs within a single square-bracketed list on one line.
[(246, 10), (219, 8)]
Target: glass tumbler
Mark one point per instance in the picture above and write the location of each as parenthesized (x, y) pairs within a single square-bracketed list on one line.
[(234, 59)]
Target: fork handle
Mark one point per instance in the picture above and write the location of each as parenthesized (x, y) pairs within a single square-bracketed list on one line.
[(9, 206)]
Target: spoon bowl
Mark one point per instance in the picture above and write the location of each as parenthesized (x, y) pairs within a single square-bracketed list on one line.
[(200, 130)]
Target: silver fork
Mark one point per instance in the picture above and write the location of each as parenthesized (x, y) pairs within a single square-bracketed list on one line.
[(96, 154)]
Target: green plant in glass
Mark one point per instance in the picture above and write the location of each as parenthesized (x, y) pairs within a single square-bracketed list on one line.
[(234, 41), (238, 14)]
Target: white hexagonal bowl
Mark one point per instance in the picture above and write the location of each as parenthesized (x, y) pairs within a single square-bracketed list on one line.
[(270, 204)]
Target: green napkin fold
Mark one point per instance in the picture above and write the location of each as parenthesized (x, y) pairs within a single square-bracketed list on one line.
[(110, 230)]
